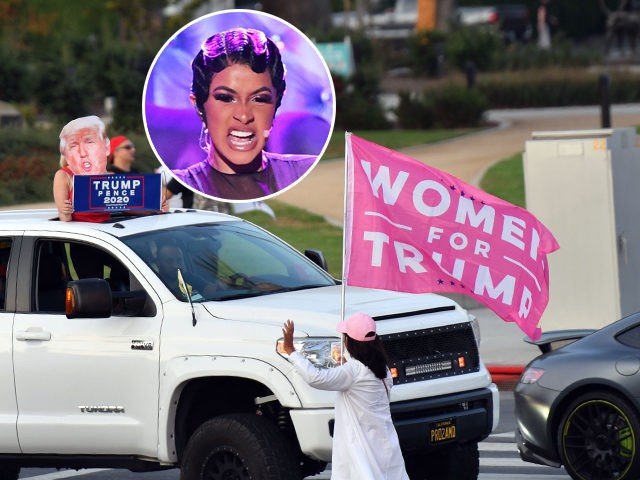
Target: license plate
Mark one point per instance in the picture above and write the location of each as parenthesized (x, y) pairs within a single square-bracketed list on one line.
[(442, 431)]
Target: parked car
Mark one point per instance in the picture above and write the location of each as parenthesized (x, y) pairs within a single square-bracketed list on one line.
[(512, 20), (579, 405)]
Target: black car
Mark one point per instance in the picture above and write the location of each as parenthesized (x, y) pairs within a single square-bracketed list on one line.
[(578, 406)]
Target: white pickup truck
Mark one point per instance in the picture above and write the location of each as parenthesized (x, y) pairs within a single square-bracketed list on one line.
[(110, 358)]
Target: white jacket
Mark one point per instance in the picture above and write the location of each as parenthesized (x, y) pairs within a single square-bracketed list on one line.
[(365, 442)]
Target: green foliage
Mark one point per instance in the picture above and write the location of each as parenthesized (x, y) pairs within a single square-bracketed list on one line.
[(527, 56), (556, 88), (480, 45), (303, 230), (393, 139), (424, 47), (505, 180), (15, 82), (414, 111), (357, 105), (65, 57), (457, 106), (357, 111), (28, 161), (23, 141), (452, 106)]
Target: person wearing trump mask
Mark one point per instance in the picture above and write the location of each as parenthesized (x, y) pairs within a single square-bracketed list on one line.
[(84, 148)]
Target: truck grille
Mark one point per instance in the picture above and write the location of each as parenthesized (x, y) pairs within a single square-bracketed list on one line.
[(430, 353)]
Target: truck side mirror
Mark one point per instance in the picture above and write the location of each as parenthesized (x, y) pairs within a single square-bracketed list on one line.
[(88, 298), (317, 257)]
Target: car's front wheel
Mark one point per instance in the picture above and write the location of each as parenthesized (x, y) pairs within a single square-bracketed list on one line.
[(238, 447), (597, 438)]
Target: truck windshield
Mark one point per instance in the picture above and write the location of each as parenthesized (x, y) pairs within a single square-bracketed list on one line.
[(225, 261)]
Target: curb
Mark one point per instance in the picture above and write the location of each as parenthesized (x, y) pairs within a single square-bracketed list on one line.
[(505, 376)]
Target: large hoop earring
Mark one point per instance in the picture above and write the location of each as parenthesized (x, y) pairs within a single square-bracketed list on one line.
[(205, 144)]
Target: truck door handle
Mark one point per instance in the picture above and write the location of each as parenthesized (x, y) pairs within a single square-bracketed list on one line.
[(33, 333)]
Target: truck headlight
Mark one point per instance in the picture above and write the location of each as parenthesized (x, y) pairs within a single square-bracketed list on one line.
[(322, 352)]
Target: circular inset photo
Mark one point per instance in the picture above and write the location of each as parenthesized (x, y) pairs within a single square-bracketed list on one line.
[(239, 105)]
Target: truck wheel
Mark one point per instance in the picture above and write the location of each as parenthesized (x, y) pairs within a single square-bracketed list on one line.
[(9, 472), (461, 462), (238, 447)]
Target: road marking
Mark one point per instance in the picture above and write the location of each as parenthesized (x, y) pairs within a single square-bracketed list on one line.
[(67, 474), (497, 447)]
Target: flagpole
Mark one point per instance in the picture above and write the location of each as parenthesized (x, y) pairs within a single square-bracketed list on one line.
[(347, 145)]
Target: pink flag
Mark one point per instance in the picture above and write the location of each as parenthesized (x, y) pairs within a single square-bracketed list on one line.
[(412, 228)]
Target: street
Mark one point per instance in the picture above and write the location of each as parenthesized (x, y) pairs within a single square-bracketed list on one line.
[(499, 460)]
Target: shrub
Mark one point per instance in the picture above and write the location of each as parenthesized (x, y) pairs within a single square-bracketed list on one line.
[(556, 88), (481, 45), (456, 106), (357, 111), (452, 106), (414, 112), (526, 56), (357, 105), (424, 48)]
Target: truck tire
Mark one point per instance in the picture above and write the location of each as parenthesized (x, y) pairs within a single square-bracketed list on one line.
[(459, 462), (239, 446), (9, 472)]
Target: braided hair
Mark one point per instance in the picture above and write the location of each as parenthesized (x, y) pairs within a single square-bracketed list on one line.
[(245, 46)]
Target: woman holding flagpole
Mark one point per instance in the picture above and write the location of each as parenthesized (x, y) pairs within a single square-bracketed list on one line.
[(365, 442)]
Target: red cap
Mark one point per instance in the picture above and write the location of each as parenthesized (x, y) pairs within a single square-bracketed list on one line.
[(116, 142), (357, 326)]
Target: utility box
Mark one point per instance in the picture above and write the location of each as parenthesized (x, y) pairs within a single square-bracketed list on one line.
[(585, 187)]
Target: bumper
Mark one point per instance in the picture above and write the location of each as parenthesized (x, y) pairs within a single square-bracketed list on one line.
[(313, 431), (528, 454), (473, 415), (535, 439)]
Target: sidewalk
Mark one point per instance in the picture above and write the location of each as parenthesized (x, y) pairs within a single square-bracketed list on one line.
[(322, 192)]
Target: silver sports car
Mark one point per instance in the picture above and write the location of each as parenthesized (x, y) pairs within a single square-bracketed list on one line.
[(579, 405)]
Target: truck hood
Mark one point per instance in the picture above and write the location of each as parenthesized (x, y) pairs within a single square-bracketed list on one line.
[(316, 311)]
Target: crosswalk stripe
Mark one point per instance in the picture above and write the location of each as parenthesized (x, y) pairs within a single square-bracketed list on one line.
[(506, 462), (497, 447), (509, 435), (62, 474)]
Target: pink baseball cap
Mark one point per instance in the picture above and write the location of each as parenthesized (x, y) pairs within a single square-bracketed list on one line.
[(357, 326)]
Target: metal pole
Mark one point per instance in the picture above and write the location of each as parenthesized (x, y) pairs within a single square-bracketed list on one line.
[(605, 100), (470, 72)]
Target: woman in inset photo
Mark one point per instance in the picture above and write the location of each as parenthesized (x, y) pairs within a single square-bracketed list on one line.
[(238, 84), (246, 152)]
